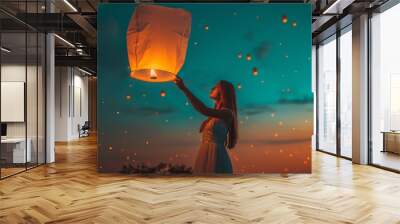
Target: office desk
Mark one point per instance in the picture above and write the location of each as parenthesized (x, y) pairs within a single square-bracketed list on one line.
[(15, 148), (391, 141)]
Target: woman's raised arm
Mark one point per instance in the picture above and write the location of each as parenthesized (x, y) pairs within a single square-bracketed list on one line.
[(200, 106)]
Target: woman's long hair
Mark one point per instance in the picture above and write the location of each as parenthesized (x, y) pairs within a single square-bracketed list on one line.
[(228, 101)]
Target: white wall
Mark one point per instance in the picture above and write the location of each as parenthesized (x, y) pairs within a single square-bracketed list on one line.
[(34, 125), (71, 102)]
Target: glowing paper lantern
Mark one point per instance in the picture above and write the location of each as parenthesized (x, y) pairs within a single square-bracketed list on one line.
[(157, 40), (163, 93), (284, 19), (248, 57), (255, 71)]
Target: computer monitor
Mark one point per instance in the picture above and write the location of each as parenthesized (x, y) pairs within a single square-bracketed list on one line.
[(3, 129)]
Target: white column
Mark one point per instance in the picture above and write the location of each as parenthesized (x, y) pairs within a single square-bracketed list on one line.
[(50, 93), (360, 90)]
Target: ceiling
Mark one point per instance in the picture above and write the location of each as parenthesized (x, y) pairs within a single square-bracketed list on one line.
[(75, 22)]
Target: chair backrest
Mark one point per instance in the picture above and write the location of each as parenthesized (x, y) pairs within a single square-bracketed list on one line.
[(86, 125)]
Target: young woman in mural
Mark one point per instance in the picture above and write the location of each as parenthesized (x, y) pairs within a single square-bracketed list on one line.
[(220, 130)]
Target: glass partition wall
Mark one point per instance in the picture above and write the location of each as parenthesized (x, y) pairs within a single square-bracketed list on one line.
[(334, 94), (22, 77)]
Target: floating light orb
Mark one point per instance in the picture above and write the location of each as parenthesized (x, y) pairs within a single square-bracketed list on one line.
[(294, 23), (128, 97), (163, 93), (255, 71), (147, 142), (239, 55), (110, 148), (248, 57), (239, 86), (206, 28), (196, 43), (284, 19)]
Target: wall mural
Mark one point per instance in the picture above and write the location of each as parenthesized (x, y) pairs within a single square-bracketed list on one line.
[(204, 88)]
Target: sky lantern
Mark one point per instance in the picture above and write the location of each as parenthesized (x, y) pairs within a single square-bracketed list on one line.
[(248, 57), (284, 19), (157, 40), (255, 71), (163, 93)]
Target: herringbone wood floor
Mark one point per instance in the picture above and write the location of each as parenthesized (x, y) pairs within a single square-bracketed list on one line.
[(71, 191)]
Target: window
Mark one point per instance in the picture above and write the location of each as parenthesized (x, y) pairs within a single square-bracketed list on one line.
[(385, 89), (345, 93), (327, 95)]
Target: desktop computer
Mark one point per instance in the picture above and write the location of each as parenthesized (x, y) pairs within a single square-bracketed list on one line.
[(3, 131)]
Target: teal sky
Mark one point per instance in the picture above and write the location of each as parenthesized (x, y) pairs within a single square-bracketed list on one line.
[(280, 52)]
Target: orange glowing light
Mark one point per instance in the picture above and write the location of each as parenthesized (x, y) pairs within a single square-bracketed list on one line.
[(255, 71), (157, 40), (248, 57), (284, 19), (163, 93)]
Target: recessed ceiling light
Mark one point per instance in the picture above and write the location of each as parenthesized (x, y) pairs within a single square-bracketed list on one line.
[(64, 40), (5, 49), (70, 5), (84, 71)]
